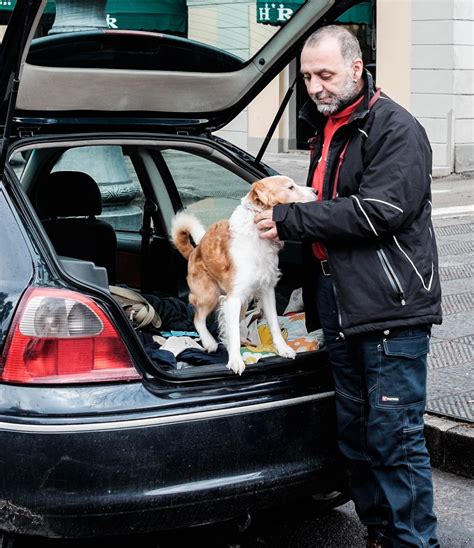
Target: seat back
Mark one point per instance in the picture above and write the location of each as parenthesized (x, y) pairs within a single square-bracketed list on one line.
[(67, 203)]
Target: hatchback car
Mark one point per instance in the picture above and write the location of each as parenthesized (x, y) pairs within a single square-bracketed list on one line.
[(108, 133)]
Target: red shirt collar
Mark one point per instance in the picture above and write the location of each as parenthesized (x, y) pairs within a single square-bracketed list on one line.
[(348, 111)]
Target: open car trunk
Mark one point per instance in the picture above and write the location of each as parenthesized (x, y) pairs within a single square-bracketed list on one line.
[(143, 181), (159, 97)]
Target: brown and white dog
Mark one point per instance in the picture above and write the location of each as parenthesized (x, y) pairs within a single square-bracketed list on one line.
[(231, 258)]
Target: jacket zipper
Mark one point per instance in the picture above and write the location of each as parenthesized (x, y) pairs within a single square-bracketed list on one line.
[(339, 316), (392, 277), (338, 306)]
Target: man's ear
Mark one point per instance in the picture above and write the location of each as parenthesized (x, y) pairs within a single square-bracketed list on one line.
[(357, 68), (258, 195)]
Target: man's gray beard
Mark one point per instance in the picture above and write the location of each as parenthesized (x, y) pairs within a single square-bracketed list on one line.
[(348, 92)]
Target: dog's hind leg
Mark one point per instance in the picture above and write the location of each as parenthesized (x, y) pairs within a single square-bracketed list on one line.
[(267, 299), (204, 300), (232, 309)]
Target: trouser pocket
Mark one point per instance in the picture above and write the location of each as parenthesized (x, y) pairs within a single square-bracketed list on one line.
[(402, 369)]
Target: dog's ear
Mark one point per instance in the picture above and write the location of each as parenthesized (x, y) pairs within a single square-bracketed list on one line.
[(258, 195)]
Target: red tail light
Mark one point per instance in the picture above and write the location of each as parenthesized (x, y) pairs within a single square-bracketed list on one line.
[(59, 336)]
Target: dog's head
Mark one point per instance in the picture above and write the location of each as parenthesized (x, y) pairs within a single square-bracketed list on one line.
[(278, 189)]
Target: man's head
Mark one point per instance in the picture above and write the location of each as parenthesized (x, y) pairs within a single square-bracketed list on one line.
[(331, 65)]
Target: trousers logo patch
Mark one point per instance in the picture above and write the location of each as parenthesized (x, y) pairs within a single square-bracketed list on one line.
[(390, 398)]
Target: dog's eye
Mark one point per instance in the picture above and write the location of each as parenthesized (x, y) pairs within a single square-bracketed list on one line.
[(292, 187)]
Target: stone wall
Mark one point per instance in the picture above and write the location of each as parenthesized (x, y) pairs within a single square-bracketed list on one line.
[(442, 80)]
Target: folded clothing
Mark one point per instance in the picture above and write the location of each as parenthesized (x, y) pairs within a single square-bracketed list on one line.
[(175, 314), (177, 343), (166, 356)]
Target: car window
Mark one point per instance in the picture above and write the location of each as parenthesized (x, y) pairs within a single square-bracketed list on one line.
[(113, 171), (206, 188)]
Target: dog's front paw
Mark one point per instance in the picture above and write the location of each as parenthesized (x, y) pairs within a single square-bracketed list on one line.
[(286, 351), (211, 347), (210, 344), (237, 365)]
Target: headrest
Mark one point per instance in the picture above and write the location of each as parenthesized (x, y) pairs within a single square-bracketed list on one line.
[(68, 194)]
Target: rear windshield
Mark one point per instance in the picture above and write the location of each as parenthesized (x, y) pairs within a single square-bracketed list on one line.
[(210, 36)]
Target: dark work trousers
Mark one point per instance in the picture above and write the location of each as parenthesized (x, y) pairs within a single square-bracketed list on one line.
[(380, 381)]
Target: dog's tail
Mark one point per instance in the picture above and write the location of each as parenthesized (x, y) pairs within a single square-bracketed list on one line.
[(183, 227)]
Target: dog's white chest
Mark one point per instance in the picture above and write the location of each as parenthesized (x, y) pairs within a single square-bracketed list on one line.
[(255, 260)]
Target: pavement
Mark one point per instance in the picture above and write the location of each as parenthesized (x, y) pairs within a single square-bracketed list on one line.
[(449, 419)]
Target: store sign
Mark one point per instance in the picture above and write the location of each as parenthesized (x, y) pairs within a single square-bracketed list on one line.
[(277, 13)]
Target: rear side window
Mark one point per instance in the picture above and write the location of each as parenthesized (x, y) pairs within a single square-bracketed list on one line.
[(206, 188)]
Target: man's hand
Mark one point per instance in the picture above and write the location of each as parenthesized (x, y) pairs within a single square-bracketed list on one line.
[(266, 225)]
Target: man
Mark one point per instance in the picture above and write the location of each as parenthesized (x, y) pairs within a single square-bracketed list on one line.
[(371, 281)]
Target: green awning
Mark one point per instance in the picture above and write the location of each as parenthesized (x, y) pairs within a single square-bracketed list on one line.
[(153, 15), (359, 15)]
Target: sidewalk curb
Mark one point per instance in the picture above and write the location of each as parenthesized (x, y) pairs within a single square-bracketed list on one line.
[(450, 444)]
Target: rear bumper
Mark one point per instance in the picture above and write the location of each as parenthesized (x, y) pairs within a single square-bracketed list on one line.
[(95, 479), (215, 506)]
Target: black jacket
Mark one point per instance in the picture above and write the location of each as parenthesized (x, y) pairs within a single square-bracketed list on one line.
[(378, 233)]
